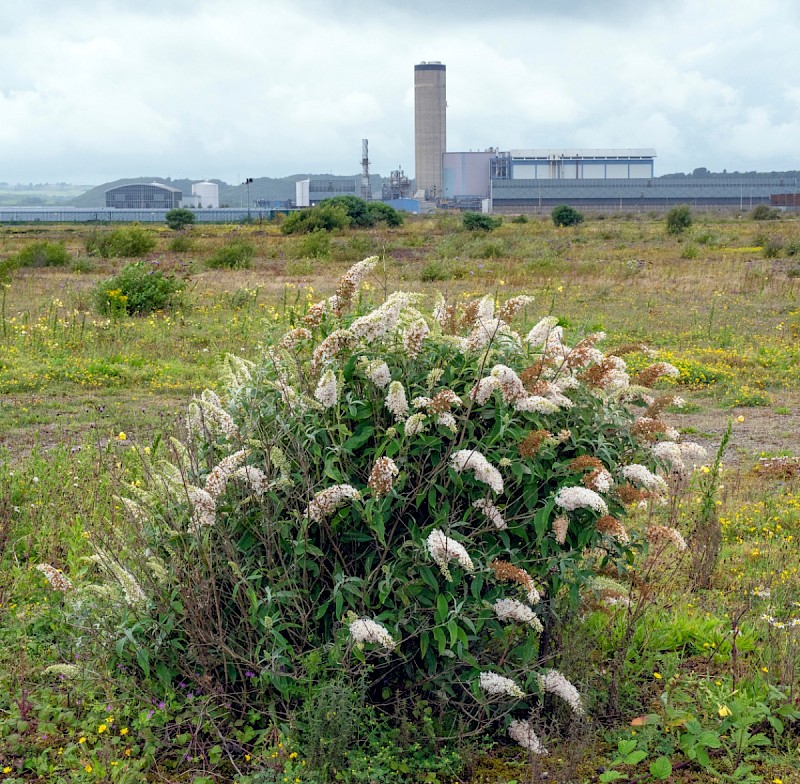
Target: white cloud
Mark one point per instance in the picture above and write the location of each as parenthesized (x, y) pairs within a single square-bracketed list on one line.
[(101, 90)]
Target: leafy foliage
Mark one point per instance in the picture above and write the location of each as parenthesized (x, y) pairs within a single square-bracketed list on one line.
[(43, 254), (316, 528), (679, 219), (235, 255), (477, 221), (140, 287), (179, 218), (323, 217), (125, 242), (564, 215)]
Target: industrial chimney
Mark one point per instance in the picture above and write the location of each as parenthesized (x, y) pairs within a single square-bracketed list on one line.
[(430, 127)]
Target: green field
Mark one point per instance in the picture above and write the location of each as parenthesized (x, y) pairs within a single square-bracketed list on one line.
[(82, 394)]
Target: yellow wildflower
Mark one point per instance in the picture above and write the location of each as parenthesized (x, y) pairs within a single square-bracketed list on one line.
[(101, 729), (657, 676), (123, 731), (724, 711)]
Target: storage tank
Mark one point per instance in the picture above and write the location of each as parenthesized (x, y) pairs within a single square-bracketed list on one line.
[(208, 193)]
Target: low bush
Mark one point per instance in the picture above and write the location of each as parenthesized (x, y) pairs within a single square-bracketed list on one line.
[(764, 212), (773, 247), (125, 242), (178, 219), (181, 244), (679, 219), (235, 255), (323, 217), (316, 245), (404, 508), (140, 287), (44, 254), (564, 215), (478, 221)]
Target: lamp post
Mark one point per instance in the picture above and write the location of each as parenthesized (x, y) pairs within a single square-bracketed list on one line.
[(247, 182)]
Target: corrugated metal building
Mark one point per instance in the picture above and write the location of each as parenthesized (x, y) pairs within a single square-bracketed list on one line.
[(144, 196)]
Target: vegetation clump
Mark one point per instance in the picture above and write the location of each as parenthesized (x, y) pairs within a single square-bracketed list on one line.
[(565, 215), (126, 242), (478, 221), (407, 503), (43, 254), (140, 287), (235, 255), (679, 219), (179, 218), (763, 212)]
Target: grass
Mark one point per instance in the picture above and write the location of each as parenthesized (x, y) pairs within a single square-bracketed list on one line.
[(80, 394)]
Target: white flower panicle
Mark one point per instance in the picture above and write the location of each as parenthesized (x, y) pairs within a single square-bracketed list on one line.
[(443, 549), (254, 478), (365, 630), (415, 424), (381, 321), (536, 404), (294, 337), (554, 682), (560, 528), (692, 454), (484, 471), (413, 336), (396, 400), (63, 670), (483, 334), (378, 373), (670, 453), (512, 306), (641, 475), (491, 512), (207, 413), (382, 476), (327, 501), (58, 581), (512, 610), (333, 345), (237, 373), (600, 480), (327, 392), (446, 419), (499, 686), (539, 335), (571, 498), (511, 385), (522, 732), (485, 308), (482, 391), (659, 535), (217, 479), (204, 508)]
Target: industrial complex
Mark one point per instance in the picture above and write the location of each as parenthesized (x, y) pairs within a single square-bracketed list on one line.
[(491, 180)]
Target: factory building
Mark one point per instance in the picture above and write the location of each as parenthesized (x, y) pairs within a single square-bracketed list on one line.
[(207, 194), (430, 128), (309, 193), (147, 196)]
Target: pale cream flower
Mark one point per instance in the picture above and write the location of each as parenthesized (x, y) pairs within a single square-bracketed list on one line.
[(491, 512), (472, 460), (499, 686), (522, 732), (512, 610), (571, 498), (554, 682), (327, 501), (58, 581), (396, 400), (443, 549), (365, 630), (327, 392)]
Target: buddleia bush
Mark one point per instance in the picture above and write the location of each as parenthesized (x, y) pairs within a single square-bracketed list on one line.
[(405, 501)]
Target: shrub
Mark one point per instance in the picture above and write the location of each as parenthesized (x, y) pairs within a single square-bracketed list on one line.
[(140, 287), (8, 267), (44, 254), (323, 217), (125, 242), (386, 503), (316, 245), (365, 214), (478, 221), (236, 255), (520, 219), (762, 212), (178, 219), (181, 244), (679, 219), (564, 215), (772, 247)]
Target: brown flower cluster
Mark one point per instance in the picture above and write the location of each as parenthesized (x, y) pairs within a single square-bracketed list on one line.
[(613, 528), (382, 476), (507, 572), (58, 581), (648, 429), (531, 376), (443, 401), (584, 462), (532, 443)]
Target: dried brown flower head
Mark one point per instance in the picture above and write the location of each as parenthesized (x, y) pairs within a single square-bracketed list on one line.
[(532, 443)]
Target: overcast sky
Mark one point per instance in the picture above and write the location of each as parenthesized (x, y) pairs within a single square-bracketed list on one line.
[(93, 91)]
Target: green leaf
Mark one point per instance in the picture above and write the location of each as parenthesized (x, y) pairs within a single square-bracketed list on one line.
[(359, 438), (625, 747), (709, 739), (612, 775), (661, 768), (442, 609), (635, 757), (143, 660)]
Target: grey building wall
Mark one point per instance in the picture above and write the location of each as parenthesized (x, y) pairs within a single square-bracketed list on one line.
[(430, 127)]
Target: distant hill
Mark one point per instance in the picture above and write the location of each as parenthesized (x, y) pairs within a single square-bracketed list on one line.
[(269, 188)]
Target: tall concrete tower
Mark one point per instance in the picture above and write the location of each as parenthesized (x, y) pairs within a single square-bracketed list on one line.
[(430, 127)]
